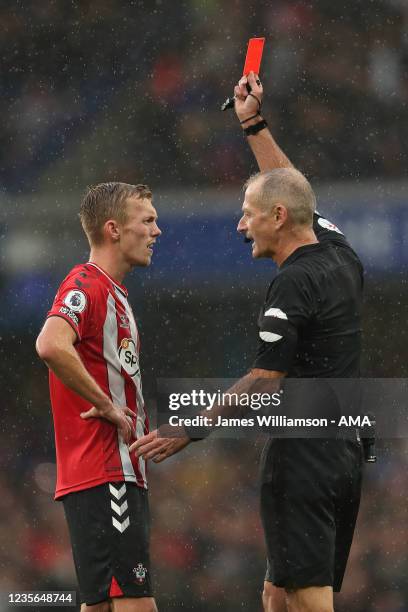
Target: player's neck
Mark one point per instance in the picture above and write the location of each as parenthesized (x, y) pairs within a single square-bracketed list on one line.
[(116, 270), (293, 242)]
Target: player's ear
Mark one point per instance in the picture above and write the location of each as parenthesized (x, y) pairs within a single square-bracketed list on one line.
[(111, 230)]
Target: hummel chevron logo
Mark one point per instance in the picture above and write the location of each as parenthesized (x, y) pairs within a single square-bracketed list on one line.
[(118, 493), (119, 509), (120, 526)]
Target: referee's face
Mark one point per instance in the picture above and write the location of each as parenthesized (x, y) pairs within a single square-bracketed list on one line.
[(139, 232), (257, 225)]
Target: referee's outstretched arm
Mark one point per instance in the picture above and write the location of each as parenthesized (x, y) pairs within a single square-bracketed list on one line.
[(248, 109)]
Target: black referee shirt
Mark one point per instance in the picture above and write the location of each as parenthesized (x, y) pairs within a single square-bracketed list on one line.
[(310, 323)]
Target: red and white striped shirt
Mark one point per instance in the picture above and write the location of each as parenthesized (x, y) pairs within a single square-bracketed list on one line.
[(90, 452)]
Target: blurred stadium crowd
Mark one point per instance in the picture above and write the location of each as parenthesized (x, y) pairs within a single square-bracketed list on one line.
[(335, 72), (131, 90)]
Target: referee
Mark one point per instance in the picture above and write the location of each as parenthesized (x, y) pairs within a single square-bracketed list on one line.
[(309, 327)]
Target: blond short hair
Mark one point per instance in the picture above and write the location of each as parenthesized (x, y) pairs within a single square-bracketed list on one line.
[(107, 201)]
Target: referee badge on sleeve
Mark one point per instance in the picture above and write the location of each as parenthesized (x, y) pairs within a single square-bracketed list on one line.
[(328, 225)]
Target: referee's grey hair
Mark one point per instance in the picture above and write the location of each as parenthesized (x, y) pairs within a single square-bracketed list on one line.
[(289, 187)]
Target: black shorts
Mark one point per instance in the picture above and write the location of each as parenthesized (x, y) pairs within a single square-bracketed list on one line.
[(109, 529), (309, 504)]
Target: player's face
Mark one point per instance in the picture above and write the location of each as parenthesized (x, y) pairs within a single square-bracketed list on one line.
[(257, 225), (139, 233)]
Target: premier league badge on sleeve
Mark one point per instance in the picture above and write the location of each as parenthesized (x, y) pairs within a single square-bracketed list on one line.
[(75, 300)]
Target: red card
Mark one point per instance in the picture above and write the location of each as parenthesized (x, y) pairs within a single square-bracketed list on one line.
[(254, 55)]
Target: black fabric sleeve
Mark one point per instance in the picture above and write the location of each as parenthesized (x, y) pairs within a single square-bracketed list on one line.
[(288, 308), (326, 231)]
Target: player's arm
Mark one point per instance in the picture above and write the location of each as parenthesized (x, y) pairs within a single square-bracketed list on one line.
[(55, 346), (267, 152), (157, 447), (258, 380)]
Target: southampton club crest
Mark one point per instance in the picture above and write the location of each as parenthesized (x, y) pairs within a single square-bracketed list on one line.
[(140, 573)]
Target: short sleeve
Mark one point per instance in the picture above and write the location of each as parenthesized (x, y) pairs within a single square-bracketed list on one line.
[(287, 309), (326, 231), (74, 304)]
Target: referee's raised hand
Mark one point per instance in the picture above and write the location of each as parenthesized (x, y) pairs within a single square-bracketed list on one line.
[(248, 103)]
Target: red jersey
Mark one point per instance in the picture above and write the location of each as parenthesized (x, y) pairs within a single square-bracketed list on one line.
[(89, 451)]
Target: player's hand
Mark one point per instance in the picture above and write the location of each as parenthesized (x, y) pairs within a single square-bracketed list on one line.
[(154, 446), (121, 416), (246, 105)]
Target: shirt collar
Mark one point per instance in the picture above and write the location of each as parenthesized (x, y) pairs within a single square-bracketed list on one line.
[(121, 288), (299, 251)]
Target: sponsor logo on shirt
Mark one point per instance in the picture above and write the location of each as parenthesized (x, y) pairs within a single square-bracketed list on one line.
[(75, 300), (128, 357), (66, 311)]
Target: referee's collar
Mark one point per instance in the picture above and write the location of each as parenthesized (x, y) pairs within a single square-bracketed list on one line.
[(306, 248)]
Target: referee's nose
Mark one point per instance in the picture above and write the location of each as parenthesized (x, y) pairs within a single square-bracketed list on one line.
[(242, 226)]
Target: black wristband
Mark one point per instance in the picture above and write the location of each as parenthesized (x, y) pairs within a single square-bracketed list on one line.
[(249, 118), (254, 129)]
